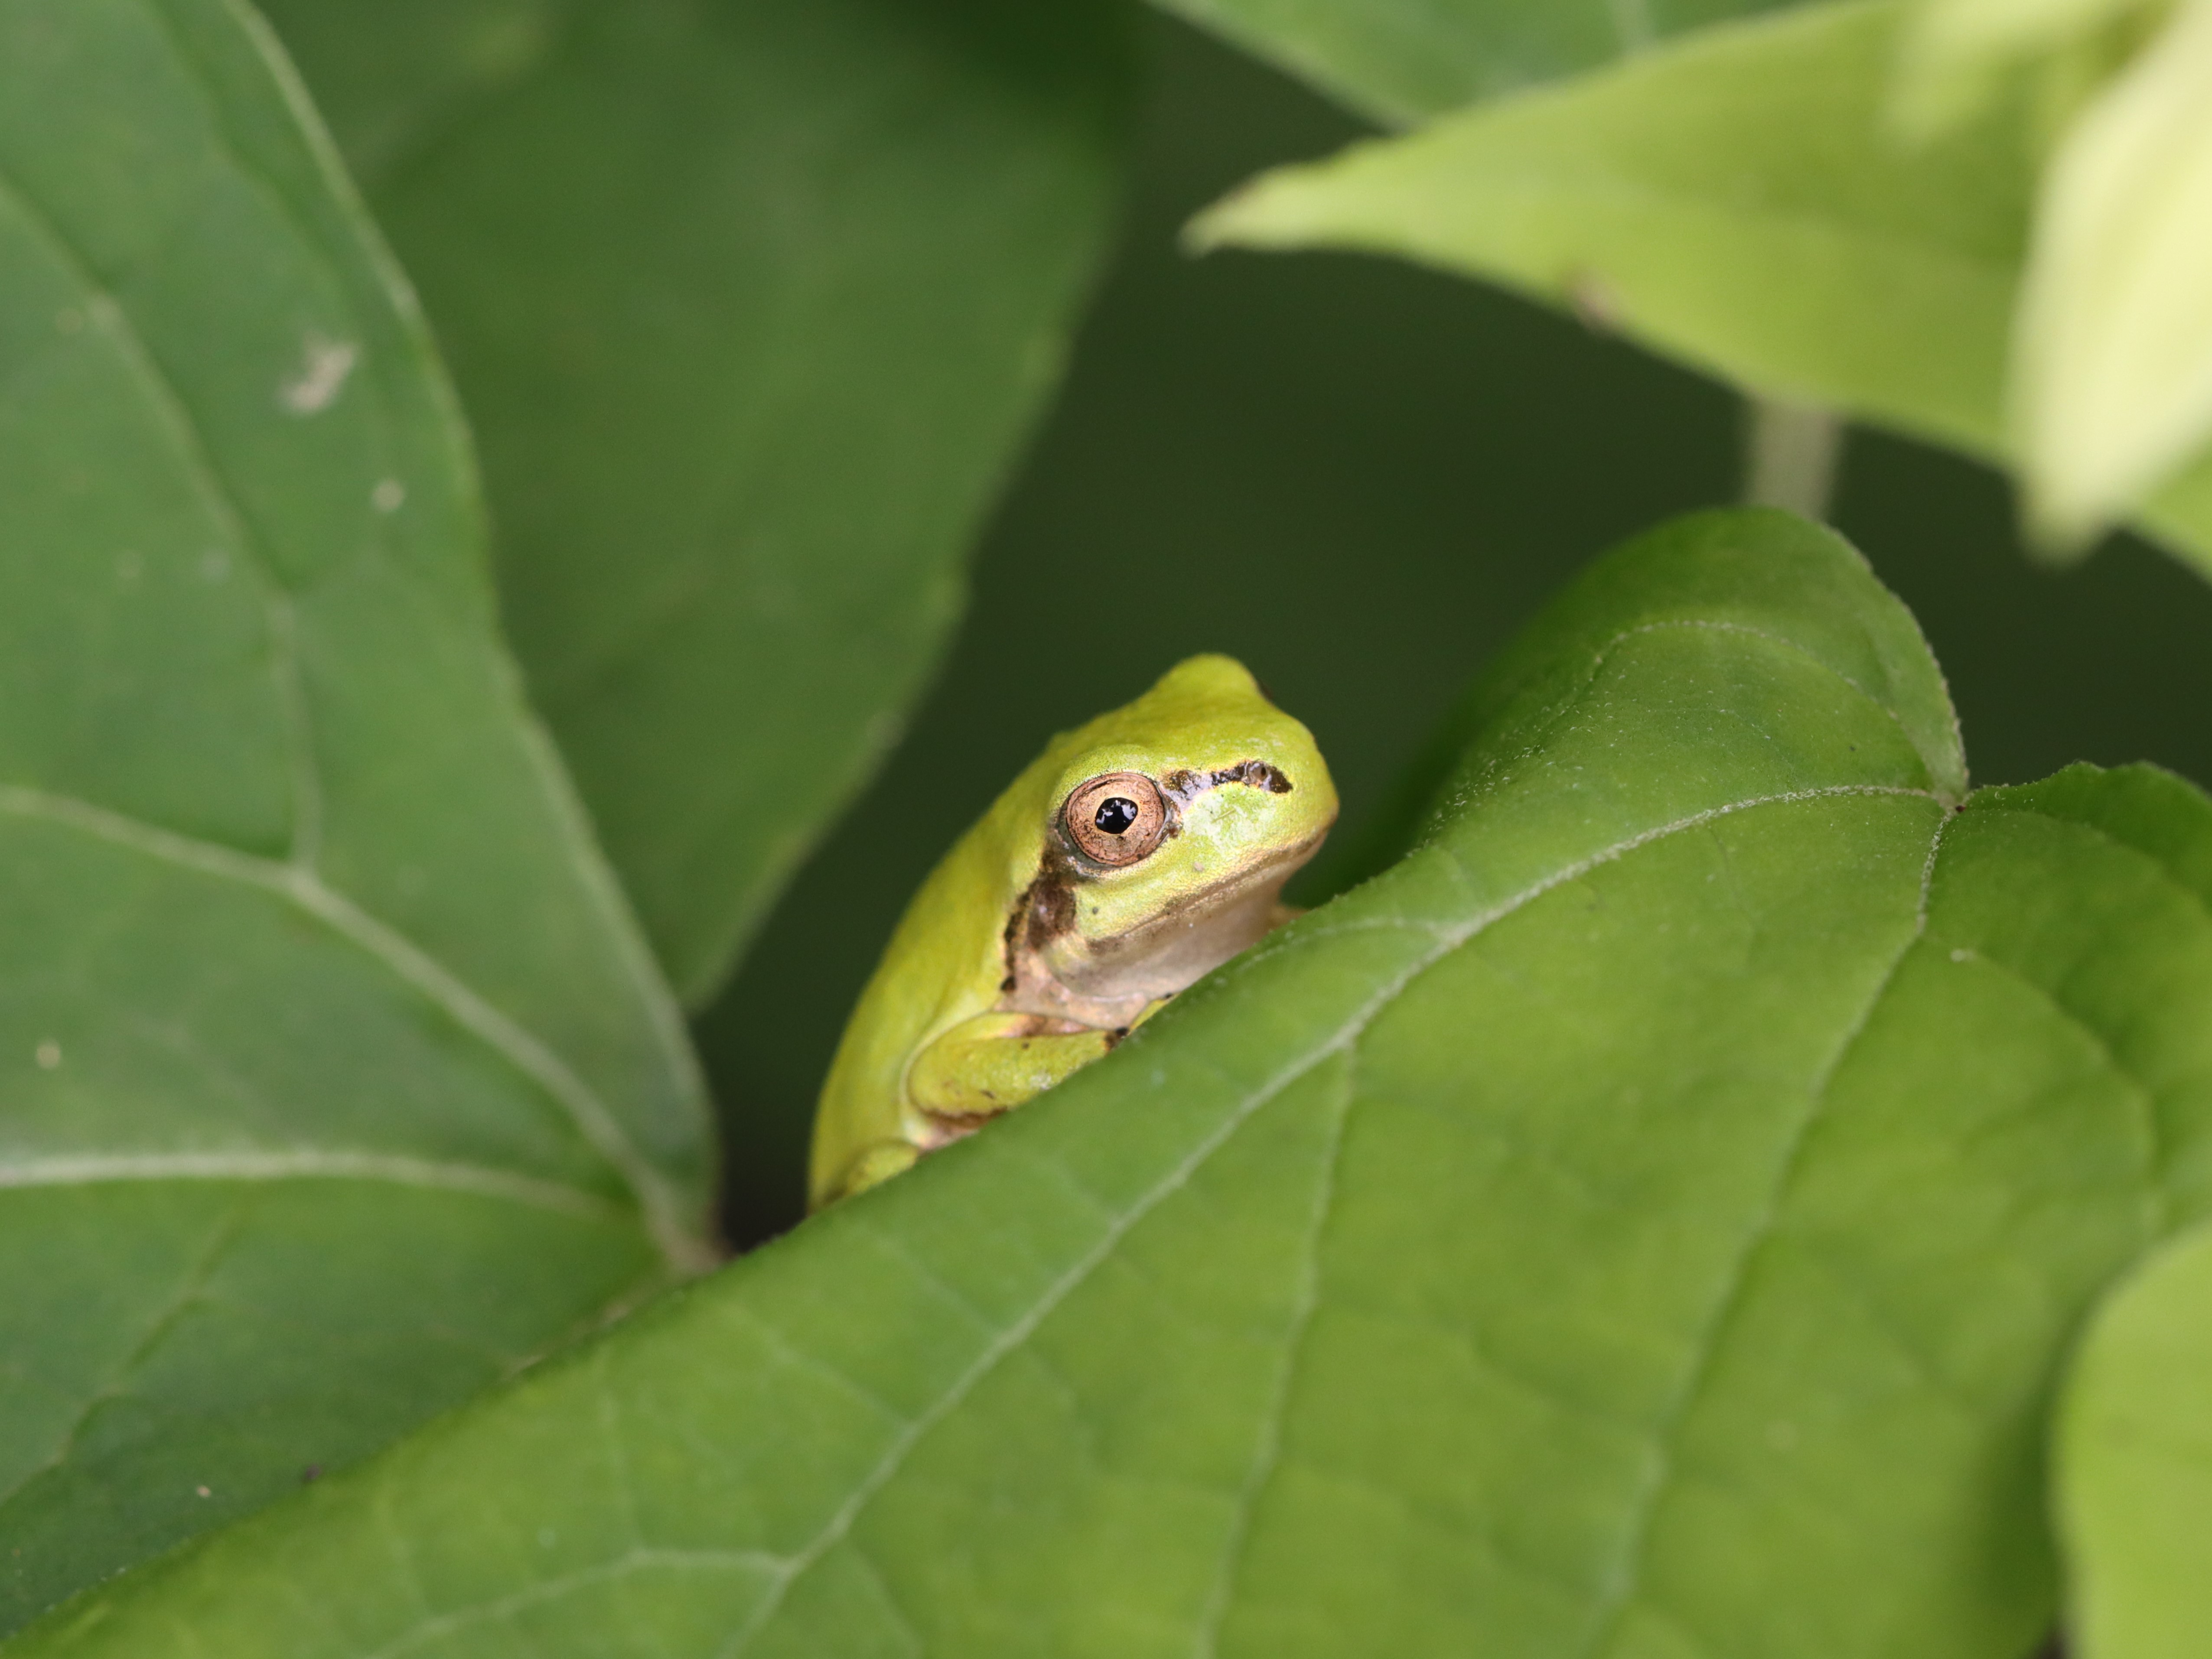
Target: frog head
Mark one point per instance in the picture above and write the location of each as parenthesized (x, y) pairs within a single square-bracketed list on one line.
[(1170, 826)]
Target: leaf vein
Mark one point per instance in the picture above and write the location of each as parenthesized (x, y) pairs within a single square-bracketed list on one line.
[(2158, 1152), (406, 962), (1268, 1447), (657, 1195), (300, 1164), (189, 1290), (551, 1589), (1623, 1588), (173, 412)]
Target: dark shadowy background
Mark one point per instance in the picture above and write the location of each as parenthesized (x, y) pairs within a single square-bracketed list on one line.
[(1360, 478)]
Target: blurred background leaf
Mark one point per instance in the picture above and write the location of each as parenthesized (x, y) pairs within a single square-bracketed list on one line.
[(2112, 386), (338, 1081), (1739, 201), (1379, 1296), (750, 303), (1362, 478), (1733, 200), (1956, 57), (1401, 61), (2134, 1457)]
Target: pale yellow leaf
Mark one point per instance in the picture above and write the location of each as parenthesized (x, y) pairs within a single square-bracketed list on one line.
[(2112, 382), (1953, 54)]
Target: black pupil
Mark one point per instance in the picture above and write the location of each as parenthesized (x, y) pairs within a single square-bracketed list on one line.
[(1115, 814)]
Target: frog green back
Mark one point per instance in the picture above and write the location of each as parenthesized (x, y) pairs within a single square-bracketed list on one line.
[(942, 966)]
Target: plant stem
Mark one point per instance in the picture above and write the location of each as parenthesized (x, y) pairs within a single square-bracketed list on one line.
[(1791, 452)]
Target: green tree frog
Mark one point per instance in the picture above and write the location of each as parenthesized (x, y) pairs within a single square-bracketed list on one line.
[(1137, 853)]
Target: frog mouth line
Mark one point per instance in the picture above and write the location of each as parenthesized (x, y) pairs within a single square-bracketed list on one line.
[(1286, 859)]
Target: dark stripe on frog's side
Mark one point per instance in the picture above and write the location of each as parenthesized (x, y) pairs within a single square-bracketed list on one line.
[(1006, 940), (1045, 910)]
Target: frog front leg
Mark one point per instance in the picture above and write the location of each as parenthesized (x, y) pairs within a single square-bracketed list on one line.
[(992, 1063), (980, 1067)]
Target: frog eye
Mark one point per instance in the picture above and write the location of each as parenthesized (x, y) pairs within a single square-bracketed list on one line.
[(1116, 818)]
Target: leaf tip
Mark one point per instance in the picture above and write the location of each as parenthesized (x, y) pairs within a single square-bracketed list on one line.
[(1205, 230), (1243, 216), (2059, 529)]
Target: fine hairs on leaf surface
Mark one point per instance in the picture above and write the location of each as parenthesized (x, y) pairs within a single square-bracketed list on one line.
[(1739, 199), (749, 302), (1648, 1218), (338, 1081)]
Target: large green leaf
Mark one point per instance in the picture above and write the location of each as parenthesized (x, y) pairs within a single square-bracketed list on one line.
[(750, 301), (2134, 1464), (1402, 60), (1739, 201), (334, 1078), (1644, 1221)]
